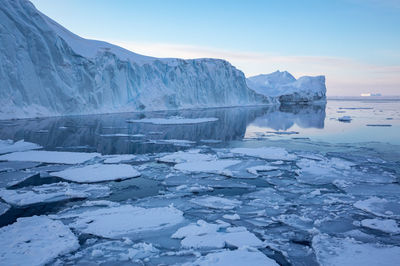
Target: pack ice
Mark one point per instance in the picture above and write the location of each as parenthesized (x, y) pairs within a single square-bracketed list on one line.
[(286, 88)]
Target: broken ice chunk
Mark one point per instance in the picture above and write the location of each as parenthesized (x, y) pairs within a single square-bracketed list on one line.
[(119, 221), (216, 166), (10, 179), (7, 146), (4, 207), (387, 226), (216, 202), (52, 193), (237, 257), (97, 173), (332, 251), (268, 153), (50, 157), (186, 156), (35, 241), (380, 207)]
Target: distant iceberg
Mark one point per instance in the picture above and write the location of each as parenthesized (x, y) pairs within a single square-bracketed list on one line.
[(284, 87)]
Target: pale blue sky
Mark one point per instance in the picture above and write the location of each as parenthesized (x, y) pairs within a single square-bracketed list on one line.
[(355, 43)]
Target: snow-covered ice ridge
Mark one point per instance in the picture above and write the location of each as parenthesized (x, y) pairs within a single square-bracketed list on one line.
[(285, 88), (46, 70)]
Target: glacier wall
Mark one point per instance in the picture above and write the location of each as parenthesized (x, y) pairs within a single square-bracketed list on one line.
[(45, 70)]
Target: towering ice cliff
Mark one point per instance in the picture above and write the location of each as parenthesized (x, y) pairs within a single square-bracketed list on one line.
[(284, 87), (46, 70)]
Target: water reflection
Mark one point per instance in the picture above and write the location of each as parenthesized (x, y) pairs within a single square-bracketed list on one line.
[(83, 133)]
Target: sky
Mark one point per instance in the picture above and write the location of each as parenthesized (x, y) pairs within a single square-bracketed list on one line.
[(354, 43)]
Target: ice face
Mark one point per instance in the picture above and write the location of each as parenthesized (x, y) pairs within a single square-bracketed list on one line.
[(35, 240), (88, 76)]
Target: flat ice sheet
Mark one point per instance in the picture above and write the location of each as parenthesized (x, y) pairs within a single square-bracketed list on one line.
[(121, 221), (50, 157), (385, 225), (52, 193), (215, 202), (268, 153), (215, 166), (175, 120), (10, 179), (237, 257), (7, 146), (35, 240), (186, 156), (331, 251), (4, 207), (97, 173)]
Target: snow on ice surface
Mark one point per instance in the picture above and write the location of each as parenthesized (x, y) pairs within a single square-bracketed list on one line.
[(268, 153), (4, 207), (124, 220), (174, 120), (205, 235), (52, 193), (97, 173), (331, 251), (7, 146), (215, 202), (50, 157), (261, 168), (380, 207), (35, 240), (119, 158), (186, 156), (215, 166), (387, 226), (237, 257), (114, 251)]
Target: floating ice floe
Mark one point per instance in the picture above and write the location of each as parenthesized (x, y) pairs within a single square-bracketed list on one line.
[(50, 157), (15, 166), (203, 235), (114, 251), (215, 166), (4, 207), (123, 135), (121, 221), (332, 251), (97, 173), (388, 226), (261, 168), (216, 202), (237, 257), (7, 146), (35, 240), (119, 158), (174, 120), (10, 179), (52, 193), (380, 207), (232, 217), (345, 118), (268, 153), (186, 156)]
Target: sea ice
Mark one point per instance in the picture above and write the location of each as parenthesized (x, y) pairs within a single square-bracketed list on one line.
[(380, 207), (345, 118), (97, 173), (120, 221), (7, 146), (186, 156), (174, 120), (4, 207), (10, 179), (387, 226), (268, 153), (215, 166), (35, 240), (205, 235), (261, 168), (237, 257), (50, 157), (52, 193), (332, 251), (214, 202), (119, 158), (15, 166)]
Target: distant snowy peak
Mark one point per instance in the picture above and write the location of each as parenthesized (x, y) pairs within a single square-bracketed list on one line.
[(46, 70), (285, 87)]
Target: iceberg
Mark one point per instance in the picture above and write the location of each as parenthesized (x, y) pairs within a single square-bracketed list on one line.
[(46, 70), (287, 89)]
